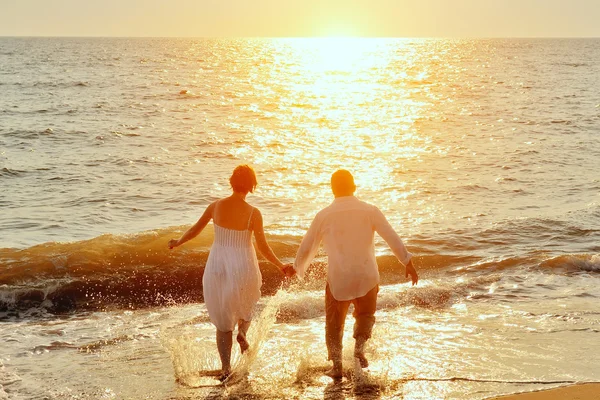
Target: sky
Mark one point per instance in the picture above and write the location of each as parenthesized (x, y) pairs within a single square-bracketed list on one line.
[(259, 18)]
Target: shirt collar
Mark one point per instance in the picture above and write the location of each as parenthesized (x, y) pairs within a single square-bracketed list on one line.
[(344, 199)]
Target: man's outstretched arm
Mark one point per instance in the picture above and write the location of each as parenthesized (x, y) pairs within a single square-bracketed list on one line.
[(387, 232)]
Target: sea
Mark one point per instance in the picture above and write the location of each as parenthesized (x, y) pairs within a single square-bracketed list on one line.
[(484, 155)]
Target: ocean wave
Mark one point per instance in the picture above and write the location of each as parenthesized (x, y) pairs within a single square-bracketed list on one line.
[(573, 263), (7, 172), (553, 231), (24, 134), (138, 270), (574, 64), (54, 84)]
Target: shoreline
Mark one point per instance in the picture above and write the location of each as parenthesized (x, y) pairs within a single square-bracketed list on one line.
[(578, 391)]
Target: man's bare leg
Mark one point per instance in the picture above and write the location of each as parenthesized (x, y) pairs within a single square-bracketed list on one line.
[(241, 336), (224, 342)]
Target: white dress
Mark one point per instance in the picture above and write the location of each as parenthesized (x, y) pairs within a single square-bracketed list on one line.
[(232, 278)]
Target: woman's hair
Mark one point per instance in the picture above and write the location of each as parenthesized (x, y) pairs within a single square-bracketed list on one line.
[(243, 179)]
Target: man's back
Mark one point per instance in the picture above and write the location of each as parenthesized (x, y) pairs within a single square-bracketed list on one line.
[(346, 228)]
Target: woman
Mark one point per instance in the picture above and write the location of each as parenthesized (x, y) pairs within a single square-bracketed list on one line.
[(232, 279)]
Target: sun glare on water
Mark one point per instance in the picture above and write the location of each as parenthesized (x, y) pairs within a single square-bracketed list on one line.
[(338, 54), (342, 103)]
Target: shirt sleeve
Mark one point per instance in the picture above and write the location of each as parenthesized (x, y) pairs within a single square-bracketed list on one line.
[(385, 230), (308, 247)]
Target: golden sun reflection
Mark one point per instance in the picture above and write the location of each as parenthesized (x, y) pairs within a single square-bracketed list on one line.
[(339, 54), (342, 103)]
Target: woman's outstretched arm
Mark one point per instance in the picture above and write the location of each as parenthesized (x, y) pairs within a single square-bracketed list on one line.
[(194, 230), (261, 241)]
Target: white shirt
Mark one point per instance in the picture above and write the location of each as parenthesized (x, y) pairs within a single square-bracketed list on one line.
[(347, 228)]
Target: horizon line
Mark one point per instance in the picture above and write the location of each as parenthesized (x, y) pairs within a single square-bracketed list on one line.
[(292, 37)]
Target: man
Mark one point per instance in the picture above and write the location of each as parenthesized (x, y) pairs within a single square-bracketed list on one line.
[(347, 229)]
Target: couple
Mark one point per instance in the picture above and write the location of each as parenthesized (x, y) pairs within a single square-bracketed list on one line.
[(232, 279)]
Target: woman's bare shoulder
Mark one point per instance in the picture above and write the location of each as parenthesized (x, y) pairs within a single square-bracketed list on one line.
[(256, 212), (210, 210)]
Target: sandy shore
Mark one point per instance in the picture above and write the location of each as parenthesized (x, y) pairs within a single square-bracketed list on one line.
[(588, 391)]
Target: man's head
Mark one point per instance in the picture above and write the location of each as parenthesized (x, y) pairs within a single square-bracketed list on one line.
[(342, 183)]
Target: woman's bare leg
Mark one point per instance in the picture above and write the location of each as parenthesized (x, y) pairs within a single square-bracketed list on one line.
[(224, 343), (241, 336)]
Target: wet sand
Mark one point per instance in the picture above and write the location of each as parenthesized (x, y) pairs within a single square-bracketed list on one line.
[(588, 391)]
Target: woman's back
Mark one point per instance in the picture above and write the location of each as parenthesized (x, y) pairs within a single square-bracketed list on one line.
[(233, 213), (232, 228)]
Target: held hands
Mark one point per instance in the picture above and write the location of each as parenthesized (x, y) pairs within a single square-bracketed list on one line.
[(410, 270), (288, 270)]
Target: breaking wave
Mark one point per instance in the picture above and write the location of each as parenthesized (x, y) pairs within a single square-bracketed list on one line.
[(138, 270)]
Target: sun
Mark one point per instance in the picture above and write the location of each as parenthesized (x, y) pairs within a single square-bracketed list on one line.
[(340, 30)]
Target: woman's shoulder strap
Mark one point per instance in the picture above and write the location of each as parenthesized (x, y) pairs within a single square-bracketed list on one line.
[(250, 218), (214, 206)]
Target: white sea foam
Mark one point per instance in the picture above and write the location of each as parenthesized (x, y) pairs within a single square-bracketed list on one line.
[(7, 378), (593, 265)]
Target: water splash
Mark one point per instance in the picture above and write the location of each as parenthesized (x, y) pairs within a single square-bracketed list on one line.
[(258, 333), (194, 354)]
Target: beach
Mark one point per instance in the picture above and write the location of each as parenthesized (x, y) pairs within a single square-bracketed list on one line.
[(481, 153), (581, 392)]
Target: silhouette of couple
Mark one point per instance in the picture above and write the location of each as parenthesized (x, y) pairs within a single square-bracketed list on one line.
[(232, 278)]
